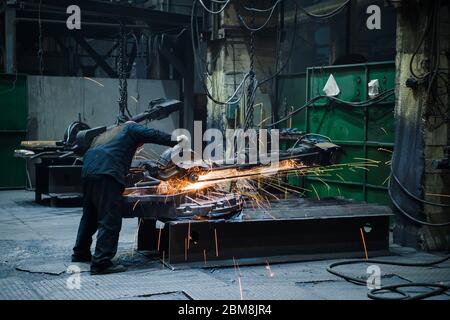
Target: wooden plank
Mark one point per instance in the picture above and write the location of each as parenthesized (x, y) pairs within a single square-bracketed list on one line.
[(38, 144)]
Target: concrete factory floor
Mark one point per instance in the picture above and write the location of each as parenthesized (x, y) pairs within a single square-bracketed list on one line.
[(36, 243)]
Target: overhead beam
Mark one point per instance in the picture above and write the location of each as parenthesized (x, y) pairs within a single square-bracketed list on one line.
[(116, 44), (155, 17), (94, 55)]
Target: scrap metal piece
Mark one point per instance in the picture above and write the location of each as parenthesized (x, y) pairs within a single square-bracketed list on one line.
[(144, 202), (217, 208), (22, 153)]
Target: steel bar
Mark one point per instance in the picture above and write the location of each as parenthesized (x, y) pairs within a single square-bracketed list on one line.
[(329, 228)]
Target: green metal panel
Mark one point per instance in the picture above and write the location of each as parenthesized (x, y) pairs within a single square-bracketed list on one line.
[(291, 95), (13, 101), (13, 128), (323, 188), (12, 170), (362, 132)]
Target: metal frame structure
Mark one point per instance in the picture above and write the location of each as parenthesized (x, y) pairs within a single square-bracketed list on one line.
[(103, 19)]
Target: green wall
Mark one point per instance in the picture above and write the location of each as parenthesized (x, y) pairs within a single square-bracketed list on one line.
[(13, 128), (362, 132)]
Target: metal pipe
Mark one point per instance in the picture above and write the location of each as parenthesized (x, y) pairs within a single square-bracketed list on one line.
[(97, 24)]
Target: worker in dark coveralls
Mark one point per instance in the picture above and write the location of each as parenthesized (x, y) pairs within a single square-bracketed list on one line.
[(105, 167)]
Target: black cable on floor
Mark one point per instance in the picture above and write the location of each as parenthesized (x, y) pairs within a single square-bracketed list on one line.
[(376, 293), (411, 195)]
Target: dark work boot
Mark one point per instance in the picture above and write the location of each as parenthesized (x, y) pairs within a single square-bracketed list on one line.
[(110, 269), (77, 257)]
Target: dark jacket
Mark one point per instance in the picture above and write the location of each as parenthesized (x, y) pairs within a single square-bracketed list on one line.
[(114, 157)]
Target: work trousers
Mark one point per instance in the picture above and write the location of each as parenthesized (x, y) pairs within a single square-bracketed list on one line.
[(102, 212)]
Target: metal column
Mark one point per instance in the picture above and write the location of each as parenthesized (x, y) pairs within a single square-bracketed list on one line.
[(10, 40)]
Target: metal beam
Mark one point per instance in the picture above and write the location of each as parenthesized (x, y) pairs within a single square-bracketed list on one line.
[(88, 7), (85, 23), (94, 55), (294, 231), (116, 44), (10, 40)]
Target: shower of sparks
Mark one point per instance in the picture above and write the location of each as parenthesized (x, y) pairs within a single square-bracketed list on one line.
[(248, 182), (220, 178), (257, 185), (215, 176)]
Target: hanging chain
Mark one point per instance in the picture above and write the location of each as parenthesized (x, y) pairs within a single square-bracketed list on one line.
[(40, 49), (251, 86), (123, 90)]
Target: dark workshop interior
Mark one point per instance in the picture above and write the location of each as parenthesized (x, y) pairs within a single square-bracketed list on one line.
[(224, 150)]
